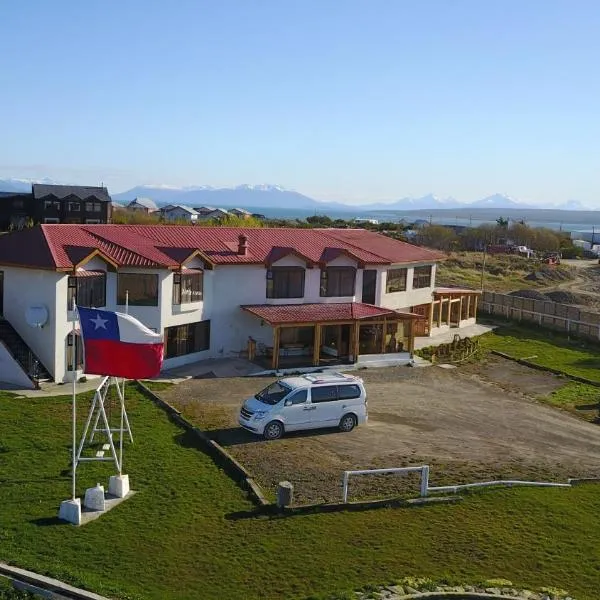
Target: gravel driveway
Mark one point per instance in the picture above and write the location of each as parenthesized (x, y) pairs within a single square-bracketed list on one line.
[(476, 422)]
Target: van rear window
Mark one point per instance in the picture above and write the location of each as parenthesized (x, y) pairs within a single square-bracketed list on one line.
[(348, 392), (326, 393)]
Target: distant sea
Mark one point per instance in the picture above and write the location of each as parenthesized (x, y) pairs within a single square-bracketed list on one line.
[(559, 220)]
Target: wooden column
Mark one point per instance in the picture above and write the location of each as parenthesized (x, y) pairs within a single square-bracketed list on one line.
[(449, 310), (430, 317), (475, 309), (317, 345), (276, 332), (469, 306), (460, 309), (355, 338), (411, 336), (440, 311), (383, 327)]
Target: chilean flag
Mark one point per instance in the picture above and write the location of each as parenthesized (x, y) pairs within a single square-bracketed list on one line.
[(118, 345)]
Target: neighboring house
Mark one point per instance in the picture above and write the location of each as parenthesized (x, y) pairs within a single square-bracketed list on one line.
[(143, 204), (300, 297), (240, 212), (179, 213), (204, 210), (55, 204), (218, 213), (118, 206)]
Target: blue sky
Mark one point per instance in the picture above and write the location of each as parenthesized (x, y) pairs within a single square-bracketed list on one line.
[(360, 100)]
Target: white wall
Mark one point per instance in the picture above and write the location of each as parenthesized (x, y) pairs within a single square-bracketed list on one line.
[(11, 371), (408, 298), (30, 287)]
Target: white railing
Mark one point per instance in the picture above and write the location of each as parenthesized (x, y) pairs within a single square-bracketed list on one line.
[(425, 489)]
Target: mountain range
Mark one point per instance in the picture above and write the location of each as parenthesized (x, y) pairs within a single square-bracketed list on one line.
[(274, 197)]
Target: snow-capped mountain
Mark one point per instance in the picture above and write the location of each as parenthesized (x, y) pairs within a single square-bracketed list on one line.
[(13, 184), (499, 201), (262, 195)]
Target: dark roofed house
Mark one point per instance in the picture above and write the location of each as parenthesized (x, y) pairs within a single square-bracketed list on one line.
[(74, 204)]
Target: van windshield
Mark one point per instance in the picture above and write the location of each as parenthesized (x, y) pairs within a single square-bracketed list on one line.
[(273, 393)]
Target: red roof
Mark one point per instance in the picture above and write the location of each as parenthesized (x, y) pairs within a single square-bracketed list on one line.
[(167, 246), (279, 314)]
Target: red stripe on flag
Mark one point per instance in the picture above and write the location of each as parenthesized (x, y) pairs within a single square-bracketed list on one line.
[(122, 359)]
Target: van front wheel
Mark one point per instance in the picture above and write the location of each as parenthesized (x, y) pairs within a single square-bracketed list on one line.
[(273, 430), (347, 423)]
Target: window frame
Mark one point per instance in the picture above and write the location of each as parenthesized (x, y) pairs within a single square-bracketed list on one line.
[(178, 288), (392, 276), (330, 273), (121, 293), (418, 277), (285, 272), (51, 220), (74, 291), (186, 339), (74, 206), (348, 386)]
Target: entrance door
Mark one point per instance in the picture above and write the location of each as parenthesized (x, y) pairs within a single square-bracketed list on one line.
[(369, 285), (421, 326)]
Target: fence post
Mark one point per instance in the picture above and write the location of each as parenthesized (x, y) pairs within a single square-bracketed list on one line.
[(345, 487), (424, 480)]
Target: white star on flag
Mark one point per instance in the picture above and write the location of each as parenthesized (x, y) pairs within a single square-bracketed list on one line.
[(99, 322)]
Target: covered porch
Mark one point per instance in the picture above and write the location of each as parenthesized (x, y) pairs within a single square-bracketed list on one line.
[(314, 335), (451, 307)]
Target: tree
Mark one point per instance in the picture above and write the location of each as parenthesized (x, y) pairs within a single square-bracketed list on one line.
[(438, 237), (502, 222)]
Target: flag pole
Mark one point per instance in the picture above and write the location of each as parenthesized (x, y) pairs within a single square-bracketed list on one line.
[(74, 406), (122, 400)]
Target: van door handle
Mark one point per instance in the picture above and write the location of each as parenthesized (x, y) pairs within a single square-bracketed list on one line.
[(309, 408)]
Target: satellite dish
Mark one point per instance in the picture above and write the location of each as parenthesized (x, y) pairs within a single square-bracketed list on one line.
[(36, 316)]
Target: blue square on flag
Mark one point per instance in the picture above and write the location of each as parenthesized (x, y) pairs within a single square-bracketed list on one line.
[(98, 324)]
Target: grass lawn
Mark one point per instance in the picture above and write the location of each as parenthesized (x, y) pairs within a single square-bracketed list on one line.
[(187, 533), (546, 348)]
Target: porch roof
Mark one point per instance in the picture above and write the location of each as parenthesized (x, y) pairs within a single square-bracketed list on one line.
[(282, 314)]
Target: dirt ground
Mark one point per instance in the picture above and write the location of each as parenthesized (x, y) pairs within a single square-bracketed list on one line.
[(476, 422)]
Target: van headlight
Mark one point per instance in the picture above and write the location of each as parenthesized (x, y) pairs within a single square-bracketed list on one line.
[(260, 414)]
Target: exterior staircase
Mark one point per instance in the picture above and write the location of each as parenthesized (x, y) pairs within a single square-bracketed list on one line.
[(22, 354)]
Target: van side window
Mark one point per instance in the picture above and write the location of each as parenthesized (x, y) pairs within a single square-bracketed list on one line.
[(299, 397), (348, 392), (327, 393)]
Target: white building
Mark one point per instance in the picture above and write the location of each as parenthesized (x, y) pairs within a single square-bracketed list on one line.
[(179, 213), (146, 205), (292, 296)]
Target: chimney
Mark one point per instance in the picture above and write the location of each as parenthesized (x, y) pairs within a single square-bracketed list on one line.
[(242, 245)]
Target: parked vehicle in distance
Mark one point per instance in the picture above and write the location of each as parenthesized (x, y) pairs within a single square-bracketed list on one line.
[(306, 402)]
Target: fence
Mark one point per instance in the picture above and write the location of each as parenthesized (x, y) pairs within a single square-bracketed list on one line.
[(550, 315)]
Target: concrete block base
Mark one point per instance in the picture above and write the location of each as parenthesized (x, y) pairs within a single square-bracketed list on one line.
[(70, 511), (94, 498), (118, 486)]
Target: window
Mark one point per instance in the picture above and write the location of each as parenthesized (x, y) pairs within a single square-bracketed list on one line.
[(97, 207), (187, 287), (395, 281), (89, 206), (285, 282), (78, 352), (142, 288), (338, 281), (422, 277), (51, 220), (299, 397), (186, 339), (89, 291), (327, 393), (92, 221), (51, 204), (74, 206), (348, 392)]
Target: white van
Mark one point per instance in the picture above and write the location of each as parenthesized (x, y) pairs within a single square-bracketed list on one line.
[(306, 402)]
